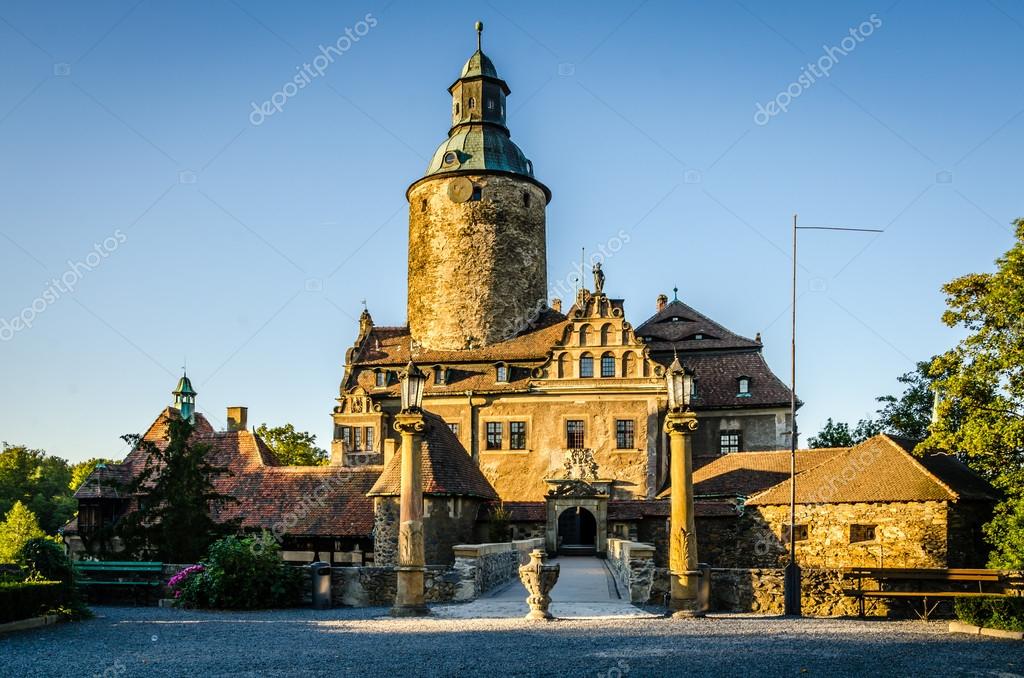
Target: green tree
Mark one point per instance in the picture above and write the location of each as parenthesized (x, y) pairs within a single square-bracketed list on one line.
[(838, 433), (176, 495), (82, 470), (39, 481), (910, 414), (980, 413), (291, 447), (18, 528)]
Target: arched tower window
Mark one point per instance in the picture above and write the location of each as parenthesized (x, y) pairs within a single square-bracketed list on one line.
[(472, 103), (628, 364), (586, 366), (607, 365), (584, 334), (456, 108), (606, 333)]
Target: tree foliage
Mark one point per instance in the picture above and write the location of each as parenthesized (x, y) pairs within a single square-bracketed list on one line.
[(18, 528), (40, 482), (291, 447), (981, 383), (176, 494)]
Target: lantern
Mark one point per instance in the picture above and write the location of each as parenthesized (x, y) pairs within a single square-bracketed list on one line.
[(679, 386), (413, 380)]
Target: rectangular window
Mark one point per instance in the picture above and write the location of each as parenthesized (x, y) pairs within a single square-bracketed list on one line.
[(454, 426), (800, 532), (517, 435), (730, 441), (624, 434), (357, 439), (346, 438), (607, 366), (369, 438), (382, 379), (862, 533), (494, 435), (574, 434), (586, 367)]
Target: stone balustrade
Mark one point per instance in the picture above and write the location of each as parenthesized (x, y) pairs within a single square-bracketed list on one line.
[(483, 567), (632, 564)]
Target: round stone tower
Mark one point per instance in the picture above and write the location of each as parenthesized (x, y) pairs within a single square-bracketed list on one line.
[(477, 253)]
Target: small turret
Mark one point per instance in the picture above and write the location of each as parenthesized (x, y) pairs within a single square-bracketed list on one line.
[(185, 398)]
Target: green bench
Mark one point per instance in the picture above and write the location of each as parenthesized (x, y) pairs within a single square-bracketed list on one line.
[(137, 577)]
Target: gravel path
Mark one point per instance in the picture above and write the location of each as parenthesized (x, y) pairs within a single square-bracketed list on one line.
[(166, 642)]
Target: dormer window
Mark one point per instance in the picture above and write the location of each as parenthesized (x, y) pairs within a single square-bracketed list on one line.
[(743, 387), (698, 337), (381, 378), (501, 373), (693, 388), (440, 375), (676, 318)]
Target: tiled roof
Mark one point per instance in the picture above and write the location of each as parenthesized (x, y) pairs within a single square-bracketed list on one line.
[(104, 482), (878, 470), (527, 511), (677, 325), (742, 474), (717, 378), (323, 501), (446, 466)]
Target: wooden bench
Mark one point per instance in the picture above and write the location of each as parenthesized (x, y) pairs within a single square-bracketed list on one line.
[(137, 577), (923, 576)]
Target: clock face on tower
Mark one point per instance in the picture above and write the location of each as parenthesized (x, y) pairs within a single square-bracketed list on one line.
[(460, 189)]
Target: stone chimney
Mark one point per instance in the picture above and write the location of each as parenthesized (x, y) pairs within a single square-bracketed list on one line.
[(238, 418), (662, 302), (556, 305), (389, 449)]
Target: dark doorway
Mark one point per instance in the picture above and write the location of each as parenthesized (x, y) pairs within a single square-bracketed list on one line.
[(577, 531)]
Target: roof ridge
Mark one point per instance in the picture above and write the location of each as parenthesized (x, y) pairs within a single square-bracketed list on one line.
[(954, 495)]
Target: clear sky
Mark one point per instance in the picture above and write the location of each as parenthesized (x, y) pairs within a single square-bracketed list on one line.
[(131, 172)]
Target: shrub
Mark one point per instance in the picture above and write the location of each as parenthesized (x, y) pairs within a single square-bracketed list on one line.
[(242, 573), (43, 559), (22, 600), (993, 613)]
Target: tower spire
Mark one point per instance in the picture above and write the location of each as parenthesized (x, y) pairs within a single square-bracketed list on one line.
[(185, 398), (479, 35)]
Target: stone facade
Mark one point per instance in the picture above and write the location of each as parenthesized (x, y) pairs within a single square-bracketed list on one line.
[(447, 521), (484, 567), (486, 252), (906, 534)]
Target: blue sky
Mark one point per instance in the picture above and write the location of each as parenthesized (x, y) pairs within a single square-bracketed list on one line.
[(247, 249)]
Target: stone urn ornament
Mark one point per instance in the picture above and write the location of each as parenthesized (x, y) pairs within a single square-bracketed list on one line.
[(539, 578)]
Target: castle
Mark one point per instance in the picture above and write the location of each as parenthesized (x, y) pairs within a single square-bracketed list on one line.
[(549, 414)]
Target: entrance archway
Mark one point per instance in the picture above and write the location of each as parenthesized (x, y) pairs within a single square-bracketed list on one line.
[(577, 531)]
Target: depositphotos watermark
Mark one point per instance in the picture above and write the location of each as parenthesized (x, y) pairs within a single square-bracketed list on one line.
[(812, 71), (307, 72), (60, 286)]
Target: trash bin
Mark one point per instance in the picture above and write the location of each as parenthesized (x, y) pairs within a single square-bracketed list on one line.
[(704, 588), (320, 573)]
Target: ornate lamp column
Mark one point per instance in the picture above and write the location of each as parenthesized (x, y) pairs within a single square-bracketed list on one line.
[(680, 423), (410, 596)]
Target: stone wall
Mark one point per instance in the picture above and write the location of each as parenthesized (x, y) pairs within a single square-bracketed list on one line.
[(447, 521), (483, 567), (477, 268), (761, 590), (632, 565), (907, 534)]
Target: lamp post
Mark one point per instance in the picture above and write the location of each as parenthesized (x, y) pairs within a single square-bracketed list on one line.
[(791, 581), (410, 597), (680, 423)]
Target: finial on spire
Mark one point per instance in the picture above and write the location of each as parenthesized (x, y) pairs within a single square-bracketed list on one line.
[(479, 35), (675, 294)]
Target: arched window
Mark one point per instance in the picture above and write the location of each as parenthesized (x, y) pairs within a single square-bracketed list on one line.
[(381, 379), (586, 366), (628, 364), (743, 386), (440, 375), (501, 373), (526, 199), (607, 365), (457, 108), (472, 103), (584, 334), (606, 332), (563, 366)]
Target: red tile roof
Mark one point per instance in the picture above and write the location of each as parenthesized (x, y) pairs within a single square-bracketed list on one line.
[(742, 474), (446, 466), (677, 325), (879, 470)]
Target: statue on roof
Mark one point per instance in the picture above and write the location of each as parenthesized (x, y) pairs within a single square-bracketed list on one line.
[(598, 279)]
